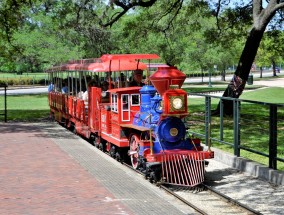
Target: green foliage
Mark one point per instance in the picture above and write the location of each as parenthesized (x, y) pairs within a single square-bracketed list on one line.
[(13, 79), (180, 40), (187, 34), (21, 81), (49, 33), (270, 50), (41, 45)]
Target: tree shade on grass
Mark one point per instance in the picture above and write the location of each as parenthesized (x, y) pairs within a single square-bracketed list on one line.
[(26, 107)]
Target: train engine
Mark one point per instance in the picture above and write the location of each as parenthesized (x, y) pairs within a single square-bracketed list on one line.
[(141, 125), (163, 151)]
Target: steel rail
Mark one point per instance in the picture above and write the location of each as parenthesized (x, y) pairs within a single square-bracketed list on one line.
[(183, 200), (171, 192), (229, 199), (212, 190)]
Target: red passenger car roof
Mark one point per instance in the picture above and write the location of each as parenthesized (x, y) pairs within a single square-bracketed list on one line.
[(107, 63), (129, 57)]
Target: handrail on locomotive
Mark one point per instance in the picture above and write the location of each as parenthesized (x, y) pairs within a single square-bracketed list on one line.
[(140, 125)]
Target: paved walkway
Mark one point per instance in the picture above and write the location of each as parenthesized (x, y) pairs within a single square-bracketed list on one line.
[(45, 169), (277, 82), (38, 178)]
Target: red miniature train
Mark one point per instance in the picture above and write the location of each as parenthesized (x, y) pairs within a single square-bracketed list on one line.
[(142, 125)]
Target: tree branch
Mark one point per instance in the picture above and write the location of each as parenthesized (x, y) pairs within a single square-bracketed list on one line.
[(279, 6), (126, 5)]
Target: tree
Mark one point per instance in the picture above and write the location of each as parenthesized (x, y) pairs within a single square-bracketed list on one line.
[(183, 43), (10, 20), (148, 30), (83, 23), (260, 16), (270, 50), (40, 43), (41, 33)]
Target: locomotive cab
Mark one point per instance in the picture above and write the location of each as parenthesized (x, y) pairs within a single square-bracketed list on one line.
[(116, 121), (124, 102)]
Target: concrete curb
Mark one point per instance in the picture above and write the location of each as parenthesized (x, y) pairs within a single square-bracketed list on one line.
[(251, 167)]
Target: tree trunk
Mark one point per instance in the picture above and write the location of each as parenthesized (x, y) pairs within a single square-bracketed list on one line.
[(274, 68), (238, 82), (223, 75)]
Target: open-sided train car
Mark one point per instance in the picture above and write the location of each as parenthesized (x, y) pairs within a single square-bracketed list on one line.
[(140, 124)]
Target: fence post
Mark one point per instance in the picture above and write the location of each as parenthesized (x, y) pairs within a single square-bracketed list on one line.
[(221, 119), (207, 120), (5, 96), (236, 112), (5, 102), (273, 137)]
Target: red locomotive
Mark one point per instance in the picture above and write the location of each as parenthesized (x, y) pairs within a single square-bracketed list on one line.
[(101, 100)]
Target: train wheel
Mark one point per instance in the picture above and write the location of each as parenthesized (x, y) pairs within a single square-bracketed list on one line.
[(73, 129), (133, 152), (102, 147), (112, 151), (96, 142), (118, 156), (52, 117)]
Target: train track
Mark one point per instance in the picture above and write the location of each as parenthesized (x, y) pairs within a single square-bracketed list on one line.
[(188, 196), (230, 200), (199, 210), (219, 204)]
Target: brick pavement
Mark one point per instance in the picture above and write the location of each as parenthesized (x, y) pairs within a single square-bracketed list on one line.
[(37, 177)]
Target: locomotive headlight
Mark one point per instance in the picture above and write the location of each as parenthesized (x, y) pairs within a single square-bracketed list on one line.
[(177, 103)]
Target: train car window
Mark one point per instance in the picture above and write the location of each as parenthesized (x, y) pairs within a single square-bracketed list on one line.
[(125, 102), (114, 103), (125, 116), (135, 99)]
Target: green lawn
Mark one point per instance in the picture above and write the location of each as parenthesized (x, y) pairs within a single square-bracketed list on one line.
[(12, 79), (24, 75), (271, 95), (26, 107), (254, 123)]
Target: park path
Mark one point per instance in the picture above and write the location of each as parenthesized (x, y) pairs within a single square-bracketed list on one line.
[(276, 82)]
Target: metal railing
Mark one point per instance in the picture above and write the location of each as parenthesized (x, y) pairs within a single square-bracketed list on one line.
[(4, 112), (255, 127)]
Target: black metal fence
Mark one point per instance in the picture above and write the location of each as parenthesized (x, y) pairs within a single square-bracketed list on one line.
[(4, 111), (255, 130)]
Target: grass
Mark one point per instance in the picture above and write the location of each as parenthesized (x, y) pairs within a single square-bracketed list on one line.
[(41, 75), (216, 87), (254, 123), (25, 107), (271, 95)]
